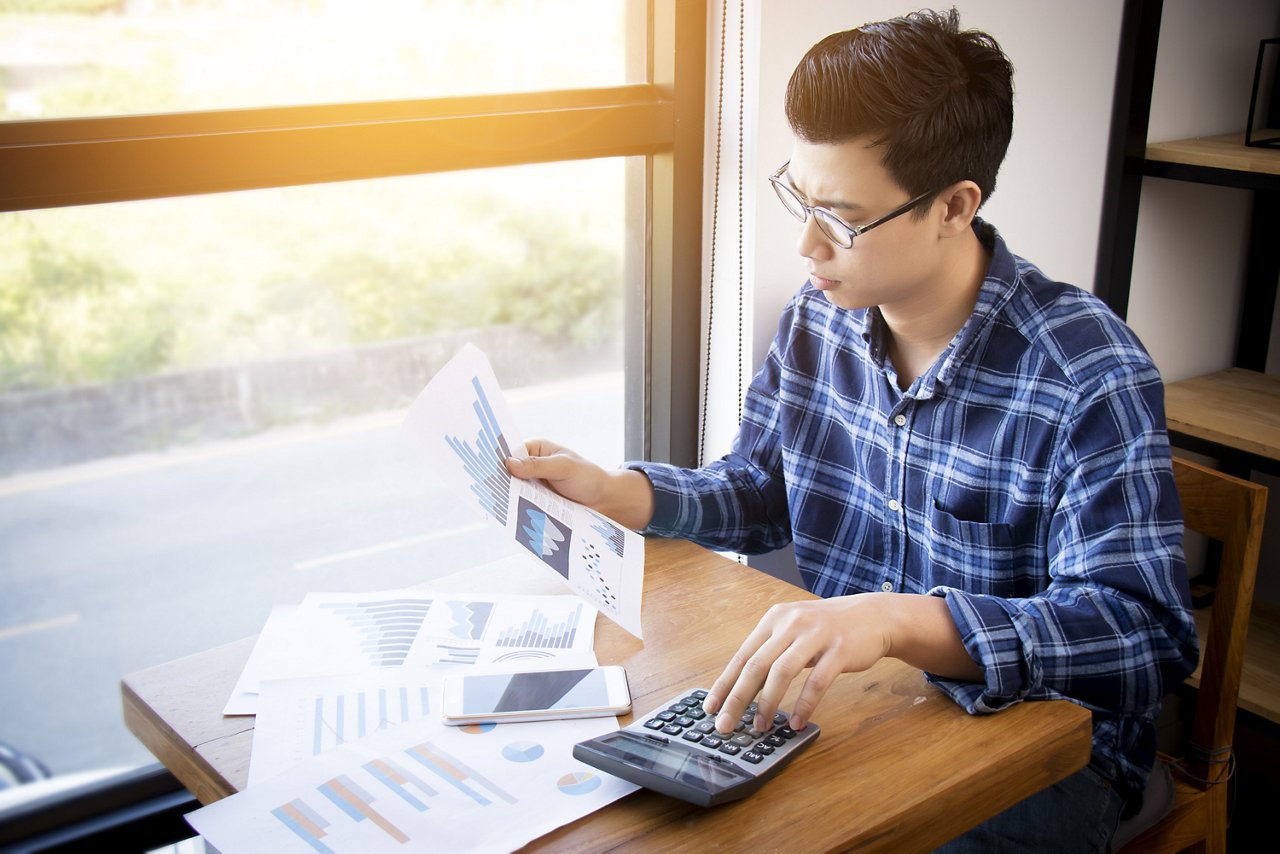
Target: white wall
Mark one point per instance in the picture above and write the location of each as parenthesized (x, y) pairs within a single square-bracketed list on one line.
[(1049, 193), (1187, 265)]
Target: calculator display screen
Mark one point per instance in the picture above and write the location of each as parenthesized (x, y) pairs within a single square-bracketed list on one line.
[(674, 761)]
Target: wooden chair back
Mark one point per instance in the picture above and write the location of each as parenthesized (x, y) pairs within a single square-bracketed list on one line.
[(1231, 511)]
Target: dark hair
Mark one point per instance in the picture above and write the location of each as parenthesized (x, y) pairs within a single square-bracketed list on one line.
[(939, 100)]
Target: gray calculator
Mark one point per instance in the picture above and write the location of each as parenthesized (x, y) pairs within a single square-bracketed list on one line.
[(677, 750)]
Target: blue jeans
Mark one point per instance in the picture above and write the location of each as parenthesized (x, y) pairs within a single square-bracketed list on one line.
[(1078, 814)]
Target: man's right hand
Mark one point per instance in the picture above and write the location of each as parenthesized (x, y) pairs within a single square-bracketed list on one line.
[(624, 495)]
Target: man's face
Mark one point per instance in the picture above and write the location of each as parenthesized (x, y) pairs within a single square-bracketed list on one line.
[(890, 265)]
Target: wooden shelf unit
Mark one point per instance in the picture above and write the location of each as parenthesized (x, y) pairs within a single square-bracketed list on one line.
[(1235, 414), (1231, 415), (1226, 152), (1235, 408), (1260, 679)]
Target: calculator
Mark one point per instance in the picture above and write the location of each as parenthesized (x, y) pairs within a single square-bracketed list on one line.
[(677, 750)]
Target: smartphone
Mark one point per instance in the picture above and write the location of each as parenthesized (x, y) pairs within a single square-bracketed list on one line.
[(535, 695)]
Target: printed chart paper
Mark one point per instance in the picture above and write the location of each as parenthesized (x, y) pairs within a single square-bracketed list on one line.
[(417, 628), (461, 424), (421, 786), (299, 719)]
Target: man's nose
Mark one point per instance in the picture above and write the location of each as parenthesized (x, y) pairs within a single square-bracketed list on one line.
[(813, 241)]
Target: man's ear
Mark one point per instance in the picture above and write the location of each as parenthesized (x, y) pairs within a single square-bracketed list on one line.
[(961, 202)]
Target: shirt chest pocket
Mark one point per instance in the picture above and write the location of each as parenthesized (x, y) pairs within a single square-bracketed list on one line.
[(992, 558)]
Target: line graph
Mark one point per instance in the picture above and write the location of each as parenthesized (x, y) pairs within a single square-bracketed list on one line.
[(470, 619)]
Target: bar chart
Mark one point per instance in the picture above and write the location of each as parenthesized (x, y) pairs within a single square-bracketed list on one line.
[(348, 716), (539, 632), (483, 458), (387, 627)]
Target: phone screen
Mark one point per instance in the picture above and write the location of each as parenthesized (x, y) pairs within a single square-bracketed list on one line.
[(520, 692)]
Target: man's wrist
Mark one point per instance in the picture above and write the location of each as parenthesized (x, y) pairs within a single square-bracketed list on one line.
[(922, 633), (628, 498)]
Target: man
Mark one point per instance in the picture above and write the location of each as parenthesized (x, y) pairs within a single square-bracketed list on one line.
[(970, 458)]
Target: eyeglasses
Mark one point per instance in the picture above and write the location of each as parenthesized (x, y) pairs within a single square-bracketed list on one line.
[(839, 231)]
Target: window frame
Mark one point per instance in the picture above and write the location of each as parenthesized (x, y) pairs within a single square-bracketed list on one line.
[(658, 124)]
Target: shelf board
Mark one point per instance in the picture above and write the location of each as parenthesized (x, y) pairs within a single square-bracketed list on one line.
[(1234, 408), (1260, 679), (1226, 152)]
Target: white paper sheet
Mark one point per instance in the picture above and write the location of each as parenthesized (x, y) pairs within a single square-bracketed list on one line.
[(461, 424), (415, 628), (421, 786)]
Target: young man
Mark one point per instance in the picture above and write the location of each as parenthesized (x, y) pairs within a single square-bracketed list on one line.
[(970, 458)]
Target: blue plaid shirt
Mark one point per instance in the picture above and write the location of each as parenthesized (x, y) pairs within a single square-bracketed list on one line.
[(1025, 477)]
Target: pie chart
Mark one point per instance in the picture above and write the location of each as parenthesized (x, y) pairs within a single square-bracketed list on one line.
[(522, 751), (578, 783), (477, 729)]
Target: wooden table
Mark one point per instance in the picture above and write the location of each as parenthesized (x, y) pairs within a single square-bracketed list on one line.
[(898, 766)]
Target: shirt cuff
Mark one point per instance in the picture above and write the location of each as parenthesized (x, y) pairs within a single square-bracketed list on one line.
[(990, 634), (674, 508)]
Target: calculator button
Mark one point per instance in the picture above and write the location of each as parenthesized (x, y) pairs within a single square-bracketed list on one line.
[(707, 726), (684, 720), (697, 713), (712, 741), (693, 735), (666, 716), (654, 723), (786, 732), (779, 718), (731, 749), (678, 708), (752, 757), (692, 700), (742, 740), (700, 694), (672, 729), (775, 740), (764, 749), (753, 734)]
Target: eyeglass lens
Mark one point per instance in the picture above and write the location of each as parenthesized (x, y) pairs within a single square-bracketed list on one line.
[(835, 231)]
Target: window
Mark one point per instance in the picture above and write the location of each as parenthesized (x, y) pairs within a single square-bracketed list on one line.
[(107, 57), (209, 318)]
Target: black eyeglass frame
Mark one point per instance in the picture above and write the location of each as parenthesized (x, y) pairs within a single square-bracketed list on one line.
[(827, 219)]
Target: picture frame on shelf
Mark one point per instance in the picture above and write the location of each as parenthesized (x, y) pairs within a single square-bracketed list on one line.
[(1264, 100)]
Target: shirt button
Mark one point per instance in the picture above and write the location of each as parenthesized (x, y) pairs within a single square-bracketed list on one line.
[(887, 587), (894, 505), (900, 419)]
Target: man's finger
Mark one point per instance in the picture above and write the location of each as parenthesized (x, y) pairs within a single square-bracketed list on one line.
[(538, 467)]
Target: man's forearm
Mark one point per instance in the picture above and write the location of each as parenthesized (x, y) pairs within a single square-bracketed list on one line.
[(923, 634)]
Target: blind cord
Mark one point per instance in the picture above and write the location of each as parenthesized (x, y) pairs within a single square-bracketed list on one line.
[(715, 218)]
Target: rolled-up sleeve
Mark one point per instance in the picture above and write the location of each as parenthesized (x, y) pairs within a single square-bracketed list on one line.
[(1113, 630)]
